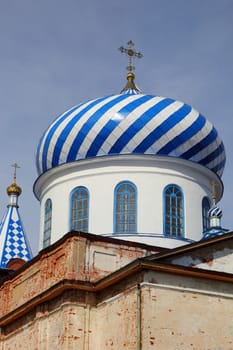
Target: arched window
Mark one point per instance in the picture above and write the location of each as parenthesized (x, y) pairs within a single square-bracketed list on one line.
[(173, 211), (47, 223), (205, 213), (125, 208), (80, 209)]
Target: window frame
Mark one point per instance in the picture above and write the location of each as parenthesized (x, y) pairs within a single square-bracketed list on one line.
[(205, 216), (76, 189), (178, 228), (47, 221), (135, 209)]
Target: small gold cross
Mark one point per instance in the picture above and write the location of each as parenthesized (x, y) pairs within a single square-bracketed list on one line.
[(131, 54), (15, 166)]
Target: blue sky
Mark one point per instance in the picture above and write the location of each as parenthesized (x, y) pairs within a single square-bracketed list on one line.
[(56, 53)]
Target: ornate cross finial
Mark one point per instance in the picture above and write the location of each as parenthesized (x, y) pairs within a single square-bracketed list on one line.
[(131, 54), (214, 192), (15, 166)]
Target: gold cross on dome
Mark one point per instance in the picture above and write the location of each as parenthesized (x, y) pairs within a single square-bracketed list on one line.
[(15, 166), (131, 54)]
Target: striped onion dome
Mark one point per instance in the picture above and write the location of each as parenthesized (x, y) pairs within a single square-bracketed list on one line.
[(215, 212), (131, 123)]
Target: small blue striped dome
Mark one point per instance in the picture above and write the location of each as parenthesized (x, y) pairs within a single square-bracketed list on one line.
[(131, 123)]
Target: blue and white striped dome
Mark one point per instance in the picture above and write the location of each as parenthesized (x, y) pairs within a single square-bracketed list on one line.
[(131, 123)]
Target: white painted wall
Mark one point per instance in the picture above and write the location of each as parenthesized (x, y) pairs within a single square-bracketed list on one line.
[(150, 174)]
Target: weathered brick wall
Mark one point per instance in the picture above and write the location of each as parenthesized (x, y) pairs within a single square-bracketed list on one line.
[(181, 319), (177, 313), (217, 257), (62, 328), (114, 323), (78, 258)]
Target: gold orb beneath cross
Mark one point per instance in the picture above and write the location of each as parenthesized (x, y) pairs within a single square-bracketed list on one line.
[(14, 189)]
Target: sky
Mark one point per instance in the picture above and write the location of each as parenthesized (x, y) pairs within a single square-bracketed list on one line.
[(55, 54)]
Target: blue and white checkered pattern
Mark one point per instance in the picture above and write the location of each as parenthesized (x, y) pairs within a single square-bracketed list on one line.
[(131, 123), (13, 242)]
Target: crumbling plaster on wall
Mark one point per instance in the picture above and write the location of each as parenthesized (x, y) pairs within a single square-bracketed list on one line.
[(155, 306), (216, 260)]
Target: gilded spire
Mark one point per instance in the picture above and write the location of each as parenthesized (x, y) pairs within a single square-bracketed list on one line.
[(131, 53), (14, 188), (215, 213), (214, 193)]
